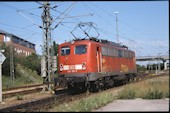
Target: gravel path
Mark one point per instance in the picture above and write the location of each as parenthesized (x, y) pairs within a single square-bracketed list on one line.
[(137, 105)]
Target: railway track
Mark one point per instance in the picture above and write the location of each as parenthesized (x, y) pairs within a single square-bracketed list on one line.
[(46, 103), (43, 104), (22, 90), (20, 87)]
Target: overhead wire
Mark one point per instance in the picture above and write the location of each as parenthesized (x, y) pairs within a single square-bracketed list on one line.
[(127, 25), (18, 27), (75, 19), (64, 12), (18, 11), (79, 20), (102, 17)]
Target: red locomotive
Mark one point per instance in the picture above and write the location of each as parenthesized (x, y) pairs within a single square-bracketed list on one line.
[(93, 64)]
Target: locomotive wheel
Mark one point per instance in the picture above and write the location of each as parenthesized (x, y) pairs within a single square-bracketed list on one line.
[(71, 89), (125, 81), (118, 83), (77, 88), (82, 87), (111, 83), (94, 87)]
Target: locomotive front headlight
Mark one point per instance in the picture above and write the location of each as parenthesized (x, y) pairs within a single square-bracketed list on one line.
[(61, 67), (83, 65)]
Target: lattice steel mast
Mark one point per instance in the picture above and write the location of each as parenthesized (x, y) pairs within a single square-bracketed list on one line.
[(47, 21), (11, 61)]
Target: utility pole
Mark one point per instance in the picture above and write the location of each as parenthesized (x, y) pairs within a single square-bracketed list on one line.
[(11, 61), (159, 66), (46, 65), (117, 27)]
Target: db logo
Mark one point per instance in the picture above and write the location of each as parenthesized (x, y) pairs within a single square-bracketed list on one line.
[(103, 60)]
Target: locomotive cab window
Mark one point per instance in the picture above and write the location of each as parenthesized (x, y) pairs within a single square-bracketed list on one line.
[(65, 51), (81, 49)]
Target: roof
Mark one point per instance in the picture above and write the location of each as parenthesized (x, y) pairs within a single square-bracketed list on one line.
[(104, 42), (3, 32), (6, 33)]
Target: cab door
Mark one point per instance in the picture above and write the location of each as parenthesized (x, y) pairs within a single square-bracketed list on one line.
[(98, 59)]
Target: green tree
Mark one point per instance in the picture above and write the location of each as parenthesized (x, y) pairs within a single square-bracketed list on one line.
[(32, 62), (140, 68), (55, 47), (6, 64)]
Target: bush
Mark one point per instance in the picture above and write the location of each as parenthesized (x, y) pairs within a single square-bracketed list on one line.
[(155, 88), (127, 93), (153, 94)]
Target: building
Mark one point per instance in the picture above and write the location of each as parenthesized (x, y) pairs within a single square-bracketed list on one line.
[(21, 46)]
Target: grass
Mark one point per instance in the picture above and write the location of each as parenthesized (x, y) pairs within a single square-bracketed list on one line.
[(155, 88), (85, 104), (20, 80), (29, 72), (19, 97)]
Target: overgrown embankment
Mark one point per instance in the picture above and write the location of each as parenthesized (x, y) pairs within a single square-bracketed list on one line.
[(154, 88)]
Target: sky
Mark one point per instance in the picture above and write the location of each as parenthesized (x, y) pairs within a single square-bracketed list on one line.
[(142, 25)]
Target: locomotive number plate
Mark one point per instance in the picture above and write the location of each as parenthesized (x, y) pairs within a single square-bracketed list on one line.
[(72, 67)]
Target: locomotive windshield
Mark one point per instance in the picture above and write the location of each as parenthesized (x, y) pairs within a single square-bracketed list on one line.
[(65, 50), (80, 49)]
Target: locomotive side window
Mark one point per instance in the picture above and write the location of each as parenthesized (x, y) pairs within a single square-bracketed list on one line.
[(130, 54), (110, 52), (126, 54), (120, 53), (80, 49), (133, 55), (113, 50), (115, 54), (65, 50), (123, 54), (105, 51)]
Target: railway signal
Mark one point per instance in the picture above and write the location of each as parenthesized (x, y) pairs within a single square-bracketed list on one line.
[(2, 59)]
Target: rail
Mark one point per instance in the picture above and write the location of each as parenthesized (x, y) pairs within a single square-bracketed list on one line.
[(22, 90)]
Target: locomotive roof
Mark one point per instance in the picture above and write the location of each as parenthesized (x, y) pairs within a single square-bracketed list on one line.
[(103, 42)]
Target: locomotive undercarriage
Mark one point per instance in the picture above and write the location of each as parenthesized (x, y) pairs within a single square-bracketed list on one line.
[(83, 83), (109, 82)]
